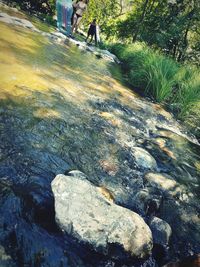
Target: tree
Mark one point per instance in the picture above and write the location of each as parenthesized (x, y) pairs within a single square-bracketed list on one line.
[(168, 25), (42, 6)]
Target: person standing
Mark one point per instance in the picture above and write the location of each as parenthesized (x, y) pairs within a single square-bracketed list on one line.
[(80, 8), (74, 11), (92, 32), (59, 13)]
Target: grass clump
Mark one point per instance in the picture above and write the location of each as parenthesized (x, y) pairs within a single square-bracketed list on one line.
[(188, 93), (160, 77)]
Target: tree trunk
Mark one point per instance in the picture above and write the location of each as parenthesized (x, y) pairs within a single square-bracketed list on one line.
[(140, 21), (185, 43)]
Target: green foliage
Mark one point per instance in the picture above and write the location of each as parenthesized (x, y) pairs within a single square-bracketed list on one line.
[(160, 76), (103, 11), (40, 6), (170, 26), (188, 93)]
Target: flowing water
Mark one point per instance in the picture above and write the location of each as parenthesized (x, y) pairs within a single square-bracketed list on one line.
[(61, 109)]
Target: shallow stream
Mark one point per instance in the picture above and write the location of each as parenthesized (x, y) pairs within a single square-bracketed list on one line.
[(64, 109)]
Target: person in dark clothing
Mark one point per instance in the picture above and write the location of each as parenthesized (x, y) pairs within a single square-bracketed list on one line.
[(92, 32)]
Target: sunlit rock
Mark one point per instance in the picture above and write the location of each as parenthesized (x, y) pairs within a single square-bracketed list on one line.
[(17, 21), (85, 212), (143, 158), (162, 145), (162, 181)]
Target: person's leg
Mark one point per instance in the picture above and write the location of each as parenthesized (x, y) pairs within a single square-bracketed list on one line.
[(72, 17), (95, 38), (74, 23), (77, 23), (91, 38), (59, 14), (68, 27), (87, 37)]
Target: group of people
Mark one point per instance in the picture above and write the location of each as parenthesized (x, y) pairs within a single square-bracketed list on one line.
[(70, 14)]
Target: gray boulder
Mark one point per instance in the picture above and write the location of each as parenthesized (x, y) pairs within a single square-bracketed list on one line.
[(89, 214), (161, 231)]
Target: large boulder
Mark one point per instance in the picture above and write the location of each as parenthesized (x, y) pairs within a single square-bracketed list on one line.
[(89, 214)]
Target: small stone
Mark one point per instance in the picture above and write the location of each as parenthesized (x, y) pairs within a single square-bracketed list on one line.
[(161, 231), (143, 158)]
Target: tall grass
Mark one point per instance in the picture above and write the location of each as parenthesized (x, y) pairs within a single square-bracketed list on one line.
[(160, 77), (188, 92)]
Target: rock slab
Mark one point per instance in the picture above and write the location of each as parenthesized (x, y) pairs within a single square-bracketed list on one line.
[(87, 215), (4, 17)]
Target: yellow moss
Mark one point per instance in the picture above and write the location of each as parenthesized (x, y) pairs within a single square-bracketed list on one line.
[(114, 121), (107, 193), (197, 165), (162, 145), (46, 113), (161, 111)]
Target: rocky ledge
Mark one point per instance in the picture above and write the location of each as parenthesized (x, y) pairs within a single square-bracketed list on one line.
[(89, 214)]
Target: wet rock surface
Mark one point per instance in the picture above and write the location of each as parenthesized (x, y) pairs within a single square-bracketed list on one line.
[(161, 231), (57, 115), (4, 17), (87, 213), (143, 159), (5, 260)]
